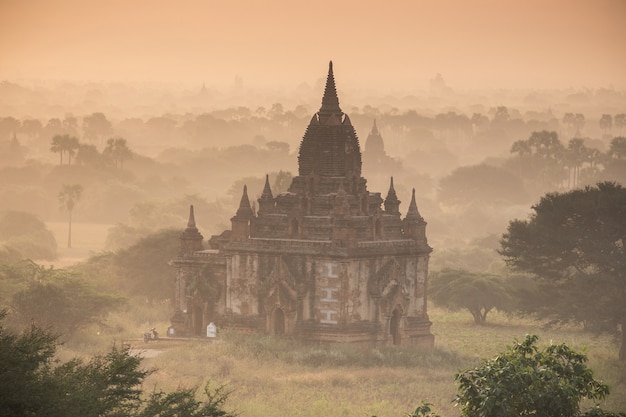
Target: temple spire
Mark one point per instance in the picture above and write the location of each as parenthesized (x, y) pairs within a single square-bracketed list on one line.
[(374, 129), (267, 191), (266, 201), (191, 223), (330, 101), (413, 213), (191, 238), (392, 204), (244, 210)]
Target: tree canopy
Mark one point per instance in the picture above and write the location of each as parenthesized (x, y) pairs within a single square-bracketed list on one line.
[(110, 384), (479, 293), (24, 235), (484, 183), (526, 380), (574, 243), (144, 267), (59, 299)]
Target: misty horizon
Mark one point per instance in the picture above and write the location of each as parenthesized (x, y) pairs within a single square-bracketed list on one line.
[(483, 45)]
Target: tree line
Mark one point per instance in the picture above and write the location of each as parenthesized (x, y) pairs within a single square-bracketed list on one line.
[(115, 152), (567, 265)]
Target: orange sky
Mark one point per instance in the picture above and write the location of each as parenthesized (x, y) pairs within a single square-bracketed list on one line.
[(384, 45)]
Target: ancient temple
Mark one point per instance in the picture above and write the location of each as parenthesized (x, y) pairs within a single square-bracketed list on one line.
[(326, 261)]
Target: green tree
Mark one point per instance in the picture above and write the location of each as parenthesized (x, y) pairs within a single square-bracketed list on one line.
[(282, 181), (620, 121), (526, 380), (62, 301), (144, 268), (65, 144), (579, 123), (617, 149), (479, 293), (32, 128), (96, 126), (88, 155), (68, 196), (606, 122), (574, 244), (28, 235), (118, 151), (35, 384), (574, 156)]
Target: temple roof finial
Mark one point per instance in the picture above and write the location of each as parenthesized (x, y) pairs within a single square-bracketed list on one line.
[(413, 213), (244, 209), (191, 223), (267, 190), (392, 191), (392, 204), (330, 101)]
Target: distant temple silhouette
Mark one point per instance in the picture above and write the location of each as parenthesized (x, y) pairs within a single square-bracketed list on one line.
[(326, 260), (375, 158)]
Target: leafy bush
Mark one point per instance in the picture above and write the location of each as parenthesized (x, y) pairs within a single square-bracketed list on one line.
[(105, 385), (528, 381), (59, 299), (26, 236)]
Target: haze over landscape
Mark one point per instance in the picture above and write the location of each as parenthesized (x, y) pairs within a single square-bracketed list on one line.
[(398, 45), (503, 122)]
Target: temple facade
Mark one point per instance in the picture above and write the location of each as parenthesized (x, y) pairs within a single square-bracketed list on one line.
[(325, 261)]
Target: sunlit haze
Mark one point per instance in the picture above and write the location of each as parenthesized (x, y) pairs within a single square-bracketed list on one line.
[(385, 46)]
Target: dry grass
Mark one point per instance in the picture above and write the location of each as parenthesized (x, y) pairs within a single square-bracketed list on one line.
[(277, 377), (280, 377)]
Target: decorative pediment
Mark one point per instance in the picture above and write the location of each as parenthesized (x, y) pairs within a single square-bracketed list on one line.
[(281, 295), (389, 273)]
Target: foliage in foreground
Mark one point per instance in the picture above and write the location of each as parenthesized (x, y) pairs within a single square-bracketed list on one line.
[(528, 381), (55, 298), (106, 385)]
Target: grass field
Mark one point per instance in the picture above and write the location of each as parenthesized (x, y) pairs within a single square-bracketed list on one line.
[(270, 376)]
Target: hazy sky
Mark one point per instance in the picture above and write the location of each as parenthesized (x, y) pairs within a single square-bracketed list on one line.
[(383, 44)]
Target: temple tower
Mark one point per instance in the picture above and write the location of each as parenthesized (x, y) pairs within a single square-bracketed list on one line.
[(327, 260)]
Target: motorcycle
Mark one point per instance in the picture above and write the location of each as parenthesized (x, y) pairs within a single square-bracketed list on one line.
[(151, 335)]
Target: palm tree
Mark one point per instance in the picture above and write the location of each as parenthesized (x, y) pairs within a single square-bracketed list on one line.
[(118, 151), (617, 148), (68, 196), (71, 146), (65, 143), (620, 121), (523, 149), (57, 146), (576, 154), (579, 123), (606, 122)]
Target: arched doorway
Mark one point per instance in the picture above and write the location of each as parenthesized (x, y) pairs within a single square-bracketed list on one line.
[(198, 321), (279, 321), (394, 326)]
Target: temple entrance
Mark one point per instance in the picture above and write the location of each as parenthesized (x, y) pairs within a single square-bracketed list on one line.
[(394, 326), (279, 321), (197, 319)]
